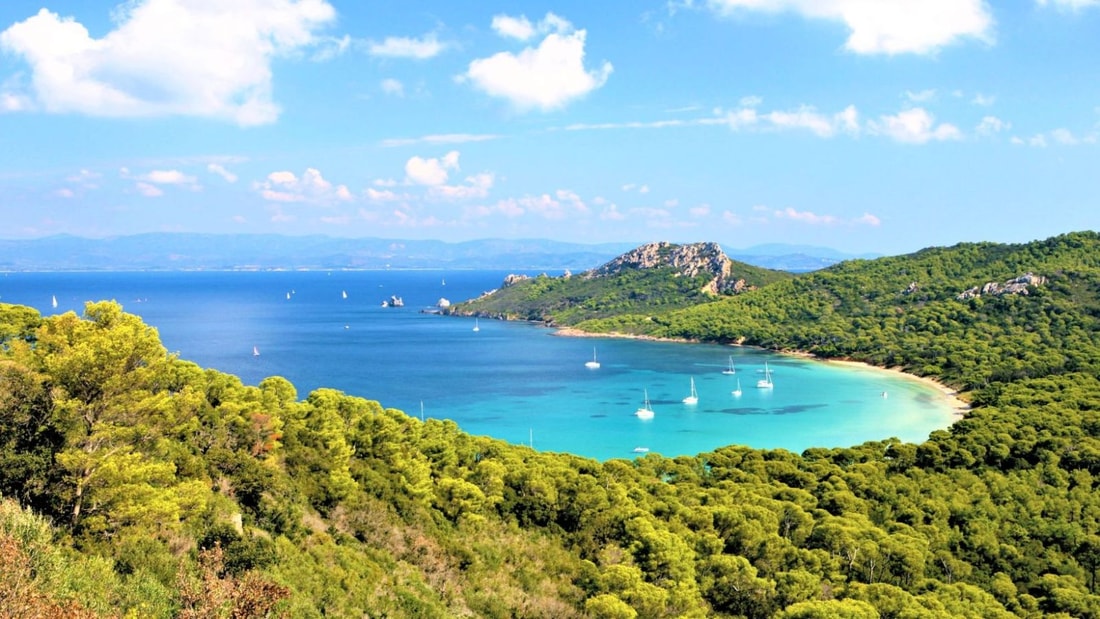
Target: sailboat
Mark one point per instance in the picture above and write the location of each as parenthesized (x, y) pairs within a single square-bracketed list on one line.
[(593, 364), (54, 301), (694, 397), (645, 412), (737, 392), (344, 293), (255, 352), (730, 369), (766, 382), (476, 326)]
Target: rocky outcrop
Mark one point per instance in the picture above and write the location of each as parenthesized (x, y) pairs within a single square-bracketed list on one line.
[(513, 279), (689, 260), (1019, 285)]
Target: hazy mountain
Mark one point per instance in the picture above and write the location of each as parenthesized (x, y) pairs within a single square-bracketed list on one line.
[(182, 251)]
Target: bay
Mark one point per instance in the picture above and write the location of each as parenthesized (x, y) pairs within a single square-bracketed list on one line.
[(514, 381)]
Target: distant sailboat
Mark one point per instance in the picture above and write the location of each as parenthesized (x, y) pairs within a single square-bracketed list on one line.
[(737, 392), (477, 327), (766, 382), (255, 352), (288, 296), (54, 301), (344, 293), (694, 397), (645, 412), (641, 450), (730, 369), (593, 364)]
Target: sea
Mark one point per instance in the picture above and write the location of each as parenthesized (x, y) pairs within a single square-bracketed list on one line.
[(515, 381)]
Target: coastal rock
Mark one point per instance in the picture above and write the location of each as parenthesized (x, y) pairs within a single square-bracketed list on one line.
[(512, 279), (689, 260), (1018, 285)]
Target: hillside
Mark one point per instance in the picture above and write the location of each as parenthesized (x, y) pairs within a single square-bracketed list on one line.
[(137, 483), (656, 278)]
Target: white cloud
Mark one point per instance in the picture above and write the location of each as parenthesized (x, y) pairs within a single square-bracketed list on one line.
[(431, 171), (65, 192), (393, 87), (1073, 5), (1038, 140), (611, 213), (699, 211), (477, 186), (921, 96), (885, 26), (384, 195), (169, 177), (751, 101), (311, 188), (544, 77), (220, 170), (990, 125), (514, 27), (983, 100), (807, 217), (806, 117), (442, 138), (407, 47), (732, 218), (165, 57), (149, 190), (913, 126), (868, 220)]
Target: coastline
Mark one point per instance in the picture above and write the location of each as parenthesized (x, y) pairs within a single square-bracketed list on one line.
[(958, 405)]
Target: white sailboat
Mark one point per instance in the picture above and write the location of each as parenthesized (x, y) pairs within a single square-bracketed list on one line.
[(694, 397), (730, 369), (476, 326), (593, 364), (645, 412), (54, 301), (737, 392), (255, 352), (766, 382), (344, 293)]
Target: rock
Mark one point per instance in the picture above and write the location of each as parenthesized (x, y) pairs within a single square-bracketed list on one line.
[(690, 260), (1018, 285)]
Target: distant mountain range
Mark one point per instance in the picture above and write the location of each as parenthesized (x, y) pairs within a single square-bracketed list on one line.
[(183, 251)]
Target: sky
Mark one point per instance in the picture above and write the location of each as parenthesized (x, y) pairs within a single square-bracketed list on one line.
[(882, 127)]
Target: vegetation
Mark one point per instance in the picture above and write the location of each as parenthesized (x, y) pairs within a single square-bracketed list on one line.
[(134, 483), (572, 299)]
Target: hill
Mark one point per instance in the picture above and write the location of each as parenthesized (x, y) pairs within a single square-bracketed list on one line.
[(139, 484), (657, 277)]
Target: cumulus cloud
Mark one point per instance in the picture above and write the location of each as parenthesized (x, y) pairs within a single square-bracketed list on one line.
[(425, 47), (476, 186), (886, 26), (431, 171), (808, 217), (914, 126), (920, 96), (515, 27), (311, 188), (164, 57), (545, 77), (151, 183), (805, 117)]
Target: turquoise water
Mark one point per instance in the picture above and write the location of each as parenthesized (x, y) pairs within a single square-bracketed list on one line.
[(514, 381)]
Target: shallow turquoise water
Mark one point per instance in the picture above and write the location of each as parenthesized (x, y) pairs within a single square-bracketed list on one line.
[(515, 381)]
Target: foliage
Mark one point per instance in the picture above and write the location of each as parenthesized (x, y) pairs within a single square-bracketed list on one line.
[(140, 483)]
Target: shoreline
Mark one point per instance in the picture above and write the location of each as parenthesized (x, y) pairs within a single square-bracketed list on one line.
[(958, 405)]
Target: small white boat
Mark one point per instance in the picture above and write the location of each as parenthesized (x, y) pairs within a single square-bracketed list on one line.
[(737, 392), (766, 382), (54, 301), (730, 369), (255, 352), (593, 364), (885, 395), (694, 397), (477, 327), (344, 293), (645, 412), (641, 450)]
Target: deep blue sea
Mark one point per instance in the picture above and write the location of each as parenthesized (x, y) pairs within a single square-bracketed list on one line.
[(514, 381)]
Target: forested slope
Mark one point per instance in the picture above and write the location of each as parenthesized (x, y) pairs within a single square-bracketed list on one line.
[(135, 482)]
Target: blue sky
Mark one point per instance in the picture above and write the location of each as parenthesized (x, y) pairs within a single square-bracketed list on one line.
[(882, 126)]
